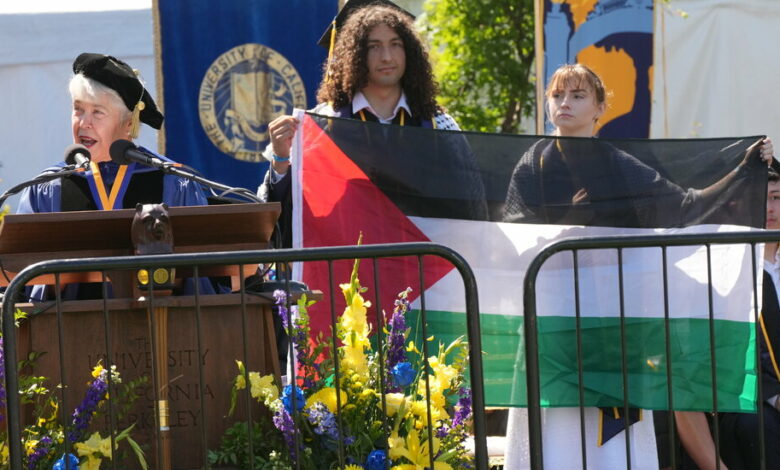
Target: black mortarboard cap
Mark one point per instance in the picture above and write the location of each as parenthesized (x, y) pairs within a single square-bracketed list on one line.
[(775, 165), (121, 78), (350, 7)]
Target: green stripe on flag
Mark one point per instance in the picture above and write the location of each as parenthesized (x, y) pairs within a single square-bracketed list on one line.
[(601, 346)]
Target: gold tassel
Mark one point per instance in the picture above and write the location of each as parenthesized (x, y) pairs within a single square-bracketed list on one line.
[(332, 46), (135, 119)]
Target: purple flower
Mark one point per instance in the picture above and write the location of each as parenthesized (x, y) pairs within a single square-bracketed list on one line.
[(377, 460), (41, 450), (463, 409), (280, 297), (83, 413), (288, 401), (284, 423), (396, 340), (403, 374), (73, 463)]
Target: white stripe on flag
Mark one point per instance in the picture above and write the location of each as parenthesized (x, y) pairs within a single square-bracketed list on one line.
[(500, 253)]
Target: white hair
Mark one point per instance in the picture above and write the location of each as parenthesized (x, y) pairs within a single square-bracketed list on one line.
[(83, 88)]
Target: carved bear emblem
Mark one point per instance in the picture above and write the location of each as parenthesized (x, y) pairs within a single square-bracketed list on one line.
[(151, 230)]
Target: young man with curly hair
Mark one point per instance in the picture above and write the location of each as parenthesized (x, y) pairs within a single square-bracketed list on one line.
[(378, 71)]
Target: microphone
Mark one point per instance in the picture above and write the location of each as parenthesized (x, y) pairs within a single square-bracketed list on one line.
[(77, 155), (77, 158), (124, 152)]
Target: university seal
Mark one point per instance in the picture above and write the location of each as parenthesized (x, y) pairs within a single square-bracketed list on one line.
[(242, 91)]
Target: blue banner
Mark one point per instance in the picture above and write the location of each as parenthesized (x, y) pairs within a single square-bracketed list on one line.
[(227, 69), (615, 39)]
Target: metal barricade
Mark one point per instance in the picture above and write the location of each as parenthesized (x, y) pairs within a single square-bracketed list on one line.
[(619, 244), (156, 358)]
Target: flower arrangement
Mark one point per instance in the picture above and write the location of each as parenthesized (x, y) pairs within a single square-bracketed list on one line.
[(377, 403), (48, 443)]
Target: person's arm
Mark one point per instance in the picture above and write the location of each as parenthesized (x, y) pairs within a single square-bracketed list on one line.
[(760, 153), (281, 130), (695, 435)]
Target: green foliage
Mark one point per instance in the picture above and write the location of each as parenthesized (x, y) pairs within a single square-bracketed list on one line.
[(234, 447), (483, 54)]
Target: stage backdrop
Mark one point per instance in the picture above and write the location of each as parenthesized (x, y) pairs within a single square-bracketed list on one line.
[(226, 70), (615, 39)]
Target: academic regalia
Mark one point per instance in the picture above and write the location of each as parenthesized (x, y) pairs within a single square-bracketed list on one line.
[(739, 438), (146, 185), (108, 185)]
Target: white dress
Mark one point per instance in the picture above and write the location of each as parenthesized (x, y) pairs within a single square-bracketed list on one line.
[(562, 445)]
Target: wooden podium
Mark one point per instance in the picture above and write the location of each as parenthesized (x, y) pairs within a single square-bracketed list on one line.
[(186, 348)]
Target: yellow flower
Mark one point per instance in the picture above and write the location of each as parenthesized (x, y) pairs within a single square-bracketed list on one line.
[(3, 449), (263, 387), (92, 463), (30, 445), (394, 402), (327, 396), (354, 320), (418, 454), (354, 356), (419, 408), (437, 397), (353, 467), (396, 444), (443, 373), (95, 445), (240, 382), (97, 370)]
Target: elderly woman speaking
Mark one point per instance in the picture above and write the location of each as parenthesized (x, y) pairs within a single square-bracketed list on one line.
[(109, 103)]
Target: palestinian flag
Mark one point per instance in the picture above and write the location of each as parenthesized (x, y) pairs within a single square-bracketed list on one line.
[(499, 199)]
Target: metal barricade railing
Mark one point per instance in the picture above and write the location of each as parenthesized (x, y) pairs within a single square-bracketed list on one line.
[(619, 244), (374, 253)]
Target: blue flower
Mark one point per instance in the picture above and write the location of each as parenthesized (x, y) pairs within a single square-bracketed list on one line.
[(73, 463), (287, 398), (323, 420), (377, 460), (403, 374)]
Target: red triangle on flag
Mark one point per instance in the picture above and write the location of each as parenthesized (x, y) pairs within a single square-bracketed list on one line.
[(339, 203)]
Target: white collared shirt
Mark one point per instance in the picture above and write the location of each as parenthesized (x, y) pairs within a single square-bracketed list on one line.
[(359, 102), (774, 272)]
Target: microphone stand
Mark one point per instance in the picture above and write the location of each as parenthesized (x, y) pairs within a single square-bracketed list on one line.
[(266, 286), (174, 169), (41, 178)]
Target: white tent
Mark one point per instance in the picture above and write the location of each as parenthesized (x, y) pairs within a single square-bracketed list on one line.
[(721, 69)]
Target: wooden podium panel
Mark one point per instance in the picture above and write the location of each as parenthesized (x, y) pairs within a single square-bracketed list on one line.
[(30, 238), (126, 335), (84, 332)]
